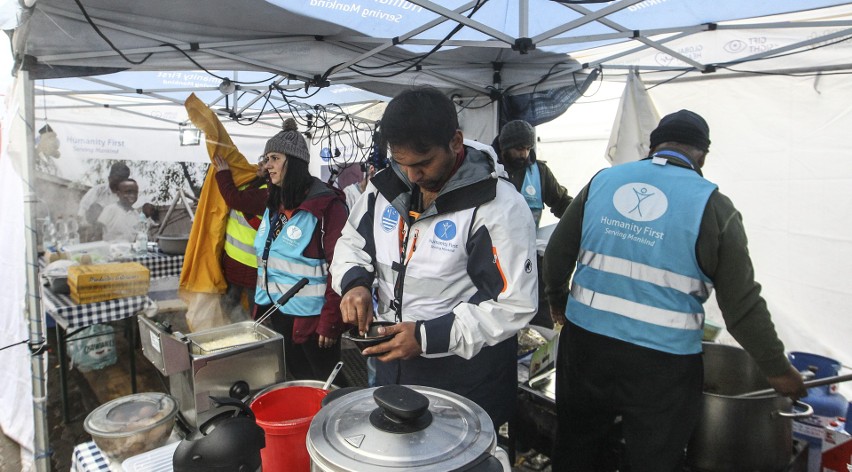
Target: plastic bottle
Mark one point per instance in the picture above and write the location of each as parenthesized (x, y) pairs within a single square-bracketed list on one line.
[(140, 247), (61, 233), (72, 231), (48, 234)]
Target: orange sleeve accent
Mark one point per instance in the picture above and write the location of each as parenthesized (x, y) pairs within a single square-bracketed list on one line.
[(499, 269)]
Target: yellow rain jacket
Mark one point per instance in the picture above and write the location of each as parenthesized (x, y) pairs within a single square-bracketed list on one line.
[(202, 268)]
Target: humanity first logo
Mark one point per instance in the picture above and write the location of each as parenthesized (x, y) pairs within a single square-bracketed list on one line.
[(640, 201)]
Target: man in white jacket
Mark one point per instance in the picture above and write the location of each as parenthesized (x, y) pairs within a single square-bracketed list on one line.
[(452, 247)]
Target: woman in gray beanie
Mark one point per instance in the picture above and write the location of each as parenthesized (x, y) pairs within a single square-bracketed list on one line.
[(296, 240)]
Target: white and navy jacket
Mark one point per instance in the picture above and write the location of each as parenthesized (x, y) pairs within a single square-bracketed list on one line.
[(465, 269), (469, 260)]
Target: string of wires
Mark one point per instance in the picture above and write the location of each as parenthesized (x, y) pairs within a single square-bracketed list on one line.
[(345, 137)]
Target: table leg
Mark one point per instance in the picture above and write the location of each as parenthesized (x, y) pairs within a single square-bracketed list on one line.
[(132, 346), (63, 366), (511, 441)]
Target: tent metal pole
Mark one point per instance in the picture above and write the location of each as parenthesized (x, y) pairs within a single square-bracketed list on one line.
[(37, 341)]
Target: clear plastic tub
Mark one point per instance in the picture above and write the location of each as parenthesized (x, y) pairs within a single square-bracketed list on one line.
[(133, 424)]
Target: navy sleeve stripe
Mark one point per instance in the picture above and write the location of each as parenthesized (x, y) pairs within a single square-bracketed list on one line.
[(438, 333)]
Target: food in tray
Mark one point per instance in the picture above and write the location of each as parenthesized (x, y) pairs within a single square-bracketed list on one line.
[(232, 340)]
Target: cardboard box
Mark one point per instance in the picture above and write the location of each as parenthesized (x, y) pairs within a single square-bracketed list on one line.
[(837, 451), (830, 447), (100, 282)]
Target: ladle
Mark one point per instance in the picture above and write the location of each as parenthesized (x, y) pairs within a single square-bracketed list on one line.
[(808, 384), (332, 375), (281, 301)]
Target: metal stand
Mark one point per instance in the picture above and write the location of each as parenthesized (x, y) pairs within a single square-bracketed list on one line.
[(183, 197), (62, 337)]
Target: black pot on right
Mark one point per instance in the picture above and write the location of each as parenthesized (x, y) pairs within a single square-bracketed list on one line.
[(739, 434)]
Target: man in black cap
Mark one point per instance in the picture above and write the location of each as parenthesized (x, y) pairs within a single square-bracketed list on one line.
[(650, 241), (516, 148)]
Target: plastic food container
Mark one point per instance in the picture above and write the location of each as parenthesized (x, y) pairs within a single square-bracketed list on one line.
[(132, 424), (174, 245)]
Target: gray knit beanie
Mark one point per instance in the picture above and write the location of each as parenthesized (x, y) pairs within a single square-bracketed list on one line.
[(516, 134), (289, 142)]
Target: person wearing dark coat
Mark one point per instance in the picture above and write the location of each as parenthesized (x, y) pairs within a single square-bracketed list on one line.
[(515, 147), (644, 245)]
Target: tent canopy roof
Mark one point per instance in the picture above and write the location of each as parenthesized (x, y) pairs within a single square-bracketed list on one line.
[(384, 45)]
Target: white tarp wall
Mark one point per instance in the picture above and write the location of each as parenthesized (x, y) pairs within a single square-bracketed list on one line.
[(16, 416), (780, 152)]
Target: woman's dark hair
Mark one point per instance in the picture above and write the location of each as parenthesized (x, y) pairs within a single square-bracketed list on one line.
[(294, 188), (420, 118)]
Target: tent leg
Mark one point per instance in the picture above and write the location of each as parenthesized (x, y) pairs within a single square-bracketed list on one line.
[(41, 446), (61, 354)]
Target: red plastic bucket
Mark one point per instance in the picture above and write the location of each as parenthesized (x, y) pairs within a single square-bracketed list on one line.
[(285, 415)]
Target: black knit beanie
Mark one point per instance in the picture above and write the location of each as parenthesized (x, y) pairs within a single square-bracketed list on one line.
[(683, 127), (289, 142)]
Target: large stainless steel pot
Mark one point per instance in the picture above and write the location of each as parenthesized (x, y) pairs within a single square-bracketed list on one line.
[(740, 433), (403, 428)]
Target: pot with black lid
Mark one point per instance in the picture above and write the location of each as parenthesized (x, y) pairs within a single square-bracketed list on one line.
[(404, 428)]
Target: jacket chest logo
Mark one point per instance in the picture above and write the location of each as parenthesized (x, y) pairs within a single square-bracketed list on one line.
[(390, 218), (445, 230)]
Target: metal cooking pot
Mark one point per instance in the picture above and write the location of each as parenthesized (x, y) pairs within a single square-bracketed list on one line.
[(403, 428), (738, 433)]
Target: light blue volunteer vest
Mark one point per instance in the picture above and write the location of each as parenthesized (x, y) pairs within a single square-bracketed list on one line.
[(531, 190), (286, 265), (637, 277)]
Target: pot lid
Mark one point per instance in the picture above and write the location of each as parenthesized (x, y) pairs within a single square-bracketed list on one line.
[(396, 428), (125, 416)]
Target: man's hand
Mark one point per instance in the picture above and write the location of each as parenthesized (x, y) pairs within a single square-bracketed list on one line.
[(325, 342), (557, 315), (357, 308), (790, 384), (402, 346), (221, 164)]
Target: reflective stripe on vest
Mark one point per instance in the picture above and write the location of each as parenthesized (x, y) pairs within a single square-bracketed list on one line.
[(239, 239), (531, 190), (287, 264), (646, 273), (239, 236), (637, 277)]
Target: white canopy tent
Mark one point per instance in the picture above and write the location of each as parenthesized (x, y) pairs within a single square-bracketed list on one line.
[(778, 122)]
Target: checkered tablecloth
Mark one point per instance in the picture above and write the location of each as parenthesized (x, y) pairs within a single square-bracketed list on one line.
[(159, 264), (88, 458), (70, 315)]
